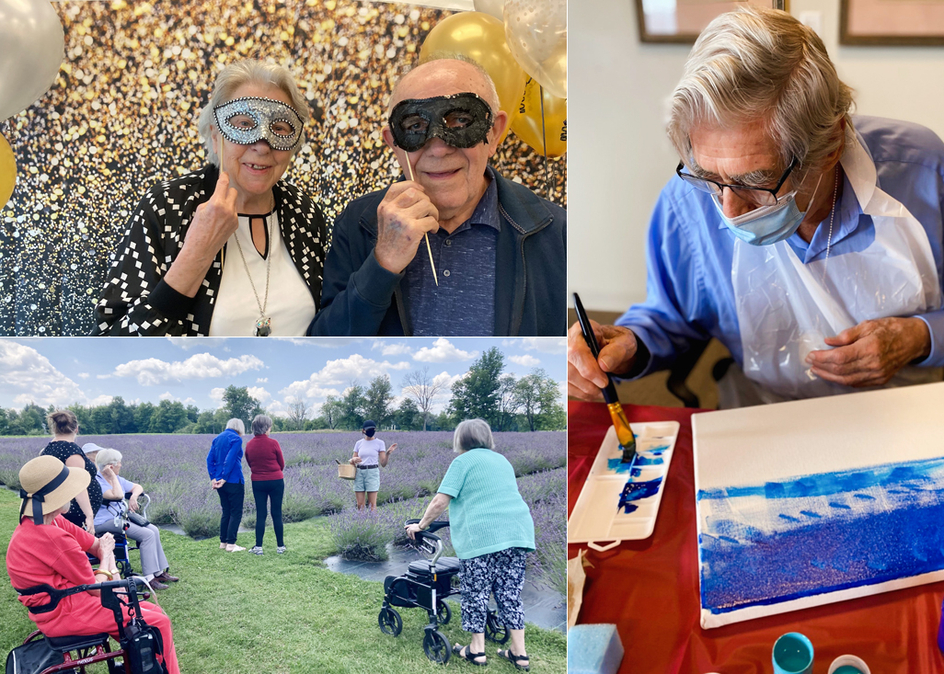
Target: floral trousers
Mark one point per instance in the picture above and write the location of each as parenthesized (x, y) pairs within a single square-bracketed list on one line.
[(501, 573)]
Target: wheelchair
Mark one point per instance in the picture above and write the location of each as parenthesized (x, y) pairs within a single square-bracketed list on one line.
[(425, 585), (122, 544), (138, 642)]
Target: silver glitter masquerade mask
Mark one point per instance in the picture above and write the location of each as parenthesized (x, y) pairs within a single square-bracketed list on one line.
[(248, 120)]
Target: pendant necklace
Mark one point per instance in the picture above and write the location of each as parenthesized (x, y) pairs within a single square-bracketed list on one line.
[(264, 323)]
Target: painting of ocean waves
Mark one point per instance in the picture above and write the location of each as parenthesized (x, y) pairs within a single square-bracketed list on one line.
[(777, 541)]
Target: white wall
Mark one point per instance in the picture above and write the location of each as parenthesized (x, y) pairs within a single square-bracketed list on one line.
[(619, 157)]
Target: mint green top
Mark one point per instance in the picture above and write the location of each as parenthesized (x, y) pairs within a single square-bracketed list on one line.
[(486, 514)]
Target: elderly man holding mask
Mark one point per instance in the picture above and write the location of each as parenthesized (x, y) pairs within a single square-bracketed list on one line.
[(499, 251), (806, 240)]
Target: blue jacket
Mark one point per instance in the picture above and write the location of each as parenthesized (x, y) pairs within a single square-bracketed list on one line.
[(360, 297), (225, 460)]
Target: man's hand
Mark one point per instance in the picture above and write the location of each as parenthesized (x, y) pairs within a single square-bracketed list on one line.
[(870, 353), (586, 375), (403, 218)]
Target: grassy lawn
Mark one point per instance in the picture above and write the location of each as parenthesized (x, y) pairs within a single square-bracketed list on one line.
[(236, 613)]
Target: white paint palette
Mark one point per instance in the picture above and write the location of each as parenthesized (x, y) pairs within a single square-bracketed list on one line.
[(619, 502)]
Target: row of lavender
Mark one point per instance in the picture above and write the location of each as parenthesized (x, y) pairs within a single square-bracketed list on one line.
[(172, 469)]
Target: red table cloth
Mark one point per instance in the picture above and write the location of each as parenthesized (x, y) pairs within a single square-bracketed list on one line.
[(649, 588)]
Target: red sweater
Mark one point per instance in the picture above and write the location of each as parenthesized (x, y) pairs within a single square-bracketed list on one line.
[(264, 457)]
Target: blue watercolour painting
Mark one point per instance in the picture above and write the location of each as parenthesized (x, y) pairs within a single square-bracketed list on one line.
[(793, 539)]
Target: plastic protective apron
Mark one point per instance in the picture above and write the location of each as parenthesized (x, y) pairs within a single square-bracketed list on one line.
[(786, 308)]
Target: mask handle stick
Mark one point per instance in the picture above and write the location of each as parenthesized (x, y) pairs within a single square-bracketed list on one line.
[(409, 172)]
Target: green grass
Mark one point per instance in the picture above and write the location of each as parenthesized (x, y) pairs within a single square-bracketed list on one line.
[(236, 613)]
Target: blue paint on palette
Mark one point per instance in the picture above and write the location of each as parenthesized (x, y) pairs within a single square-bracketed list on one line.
[(637, 491), (617, 465), (780, 541)]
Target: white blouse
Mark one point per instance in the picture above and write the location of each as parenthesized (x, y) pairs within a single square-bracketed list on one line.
[(290, 305)]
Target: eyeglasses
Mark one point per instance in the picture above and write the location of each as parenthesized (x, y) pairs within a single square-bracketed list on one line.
[(761, 196)]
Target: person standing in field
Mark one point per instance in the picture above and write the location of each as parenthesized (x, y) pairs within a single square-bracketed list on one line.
[(370, 453), (225, 466), (264, 456)]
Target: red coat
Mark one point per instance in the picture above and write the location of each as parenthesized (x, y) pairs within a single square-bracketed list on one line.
[(264, 457)]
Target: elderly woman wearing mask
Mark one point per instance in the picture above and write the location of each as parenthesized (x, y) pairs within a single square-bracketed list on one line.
[(480, 490), (229, 250), (114, 487)]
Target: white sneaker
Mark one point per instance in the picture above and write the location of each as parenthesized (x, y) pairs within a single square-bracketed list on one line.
[(280, 549), (256, 550), (222, 546), (234, 548)]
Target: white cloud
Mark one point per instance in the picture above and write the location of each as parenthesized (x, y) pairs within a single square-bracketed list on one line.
[(337, 375), (525, 361), (28, 376), (542, 344), (443, 351), (101, 400), (166, 395), (153, 371), (391, 348), (259, 394), (84, 375), (216, 394), (262, 380)]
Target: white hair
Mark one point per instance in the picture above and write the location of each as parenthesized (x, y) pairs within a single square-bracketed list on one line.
[(236, 75), (107, 457), (762, 65), (237, 425), (472, 433)]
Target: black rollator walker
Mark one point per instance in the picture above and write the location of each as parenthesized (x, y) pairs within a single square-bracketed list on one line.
[(426, 584), (139, 643)]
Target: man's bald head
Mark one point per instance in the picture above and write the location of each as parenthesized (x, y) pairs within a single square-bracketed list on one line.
[(444, 77)]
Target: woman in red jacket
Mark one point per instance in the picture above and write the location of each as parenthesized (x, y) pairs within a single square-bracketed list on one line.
[(48, 549), (264, 457)]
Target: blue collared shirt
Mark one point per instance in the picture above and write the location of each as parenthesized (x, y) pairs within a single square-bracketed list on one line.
[(690, 295), (464, 301)]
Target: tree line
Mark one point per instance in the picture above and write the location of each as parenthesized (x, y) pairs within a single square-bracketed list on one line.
[(528, 403)]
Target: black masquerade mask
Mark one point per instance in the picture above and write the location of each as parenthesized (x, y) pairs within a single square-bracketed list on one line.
[(461, 120), (248, 120)]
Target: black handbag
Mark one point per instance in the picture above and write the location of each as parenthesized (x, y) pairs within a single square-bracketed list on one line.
[(138, 519), (141, 644), (32, 657)]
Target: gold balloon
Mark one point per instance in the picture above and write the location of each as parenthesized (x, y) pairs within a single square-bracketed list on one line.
[(7, 171), (527, 125), (536, 31), (481, 38)]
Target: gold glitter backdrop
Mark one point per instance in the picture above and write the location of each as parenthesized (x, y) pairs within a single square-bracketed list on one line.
[(123, 111)]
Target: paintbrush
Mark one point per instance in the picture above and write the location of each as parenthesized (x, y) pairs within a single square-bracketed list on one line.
[(623, 432), (409, 170)]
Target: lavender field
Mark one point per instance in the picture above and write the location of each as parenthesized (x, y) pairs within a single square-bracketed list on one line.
[(172, 469)]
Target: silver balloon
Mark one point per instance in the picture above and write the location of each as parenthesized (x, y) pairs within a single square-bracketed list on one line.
[(536, 33), (493, 7), (32, 46)]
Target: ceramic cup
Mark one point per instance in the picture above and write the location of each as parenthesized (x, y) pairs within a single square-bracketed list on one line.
[(849, 664), (793, 654)]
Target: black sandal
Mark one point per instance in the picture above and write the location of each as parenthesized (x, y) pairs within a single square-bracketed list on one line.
[(515, 659), (469, 655)]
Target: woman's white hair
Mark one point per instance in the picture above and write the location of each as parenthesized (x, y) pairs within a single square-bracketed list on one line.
[(237, 425), (261, 424), (107, 457), (236, 75), (758, 64), (472, 433)]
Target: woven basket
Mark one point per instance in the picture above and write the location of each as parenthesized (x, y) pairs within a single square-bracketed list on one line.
[(346, 471)]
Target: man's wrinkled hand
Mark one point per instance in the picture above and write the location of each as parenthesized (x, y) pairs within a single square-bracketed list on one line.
[(404, 217), (872, 352), (586, 375)]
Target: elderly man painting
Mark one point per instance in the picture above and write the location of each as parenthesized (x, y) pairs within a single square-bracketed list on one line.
[(499, 251), (806, 240)]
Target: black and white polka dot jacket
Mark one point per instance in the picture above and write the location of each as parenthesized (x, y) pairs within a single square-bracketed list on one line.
[(136, 301)]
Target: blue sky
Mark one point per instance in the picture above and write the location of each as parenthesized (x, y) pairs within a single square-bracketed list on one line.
[(90, 371)]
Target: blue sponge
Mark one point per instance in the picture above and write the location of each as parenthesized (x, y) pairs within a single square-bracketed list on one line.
[(593, 649)]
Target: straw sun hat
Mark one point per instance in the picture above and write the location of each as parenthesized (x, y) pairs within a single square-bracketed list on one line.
[(47, 484)]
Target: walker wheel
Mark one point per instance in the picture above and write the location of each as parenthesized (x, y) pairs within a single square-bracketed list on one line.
[(443, 612), (495, 631), (436, 647), (390, 621)]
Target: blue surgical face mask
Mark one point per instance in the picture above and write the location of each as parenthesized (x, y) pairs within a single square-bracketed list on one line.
[(767, 224)]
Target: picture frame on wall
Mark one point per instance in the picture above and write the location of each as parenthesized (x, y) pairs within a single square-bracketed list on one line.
[(902, 22), (680, 21)]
